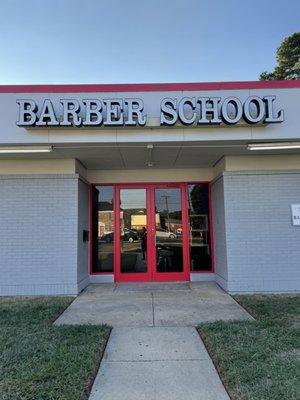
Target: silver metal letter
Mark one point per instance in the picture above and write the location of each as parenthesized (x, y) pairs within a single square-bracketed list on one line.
[(135, 107), (228, 118), (270, 117), (168, 113), (27, 113), (114, 112), (47, 117), (211, 110), (71, 108), (190, 101), (260, 107), (93, 114)]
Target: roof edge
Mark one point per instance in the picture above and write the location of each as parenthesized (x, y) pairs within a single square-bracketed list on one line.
[(148, 87)]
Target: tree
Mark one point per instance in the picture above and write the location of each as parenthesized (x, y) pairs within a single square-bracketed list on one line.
[(288, 61)]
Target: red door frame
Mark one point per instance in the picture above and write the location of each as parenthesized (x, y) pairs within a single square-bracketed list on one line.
[(171, 276), (152, 274), (129, 277), (186, 251)]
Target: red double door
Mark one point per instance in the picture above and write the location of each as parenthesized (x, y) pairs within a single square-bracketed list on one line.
[(153, 242)]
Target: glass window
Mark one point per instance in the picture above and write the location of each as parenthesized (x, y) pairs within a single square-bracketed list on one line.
[(168, 237), (103, 229), (133, 230), (198, 208)]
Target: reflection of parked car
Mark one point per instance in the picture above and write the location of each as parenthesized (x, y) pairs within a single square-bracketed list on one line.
[(160, 232), (108, 237), (127, 235)]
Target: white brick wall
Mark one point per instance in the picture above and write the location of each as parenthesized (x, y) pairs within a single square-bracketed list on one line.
[(262, 246), (38, 234), (42, 218)]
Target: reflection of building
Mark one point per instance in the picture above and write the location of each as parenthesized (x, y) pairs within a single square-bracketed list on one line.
[(139, 221), (105, 222), (105, 215), (172, 225)]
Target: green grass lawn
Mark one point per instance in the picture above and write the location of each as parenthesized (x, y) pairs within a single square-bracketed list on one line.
[(258, 360), (39, 361)]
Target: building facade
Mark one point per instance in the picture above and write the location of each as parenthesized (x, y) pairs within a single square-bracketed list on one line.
[(150, 182)]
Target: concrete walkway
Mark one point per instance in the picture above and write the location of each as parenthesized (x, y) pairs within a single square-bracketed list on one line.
[(159, 363), (154, 352), (156, 304)]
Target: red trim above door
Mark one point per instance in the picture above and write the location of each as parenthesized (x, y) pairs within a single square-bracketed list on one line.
[(148, 87)]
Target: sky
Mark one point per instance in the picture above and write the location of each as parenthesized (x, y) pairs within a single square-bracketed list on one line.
[(131, 41)]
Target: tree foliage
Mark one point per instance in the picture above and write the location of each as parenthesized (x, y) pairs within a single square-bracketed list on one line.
[(288, 61)]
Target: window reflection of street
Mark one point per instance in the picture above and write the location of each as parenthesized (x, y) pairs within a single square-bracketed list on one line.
[(168, 219), (103, 218), (132, 257), (198, 208), (168, 249), (133, 220), (168, 240)]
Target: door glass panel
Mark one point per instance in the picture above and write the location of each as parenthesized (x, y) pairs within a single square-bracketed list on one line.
[(133, 230), (168, 221), (103, 229), (198, 209)]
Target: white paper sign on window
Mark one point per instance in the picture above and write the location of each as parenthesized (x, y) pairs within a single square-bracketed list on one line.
[(295, 214)]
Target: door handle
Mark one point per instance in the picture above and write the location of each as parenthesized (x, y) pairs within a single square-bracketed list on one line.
[(154, 240)]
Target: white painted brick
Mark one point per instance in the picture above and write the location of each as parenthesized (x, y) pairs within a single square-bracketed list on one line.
[(262, 248), (40, 219)]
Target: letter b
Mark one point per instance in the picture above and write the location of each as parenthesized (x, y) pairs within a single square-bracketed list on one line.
[(27, 112)]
